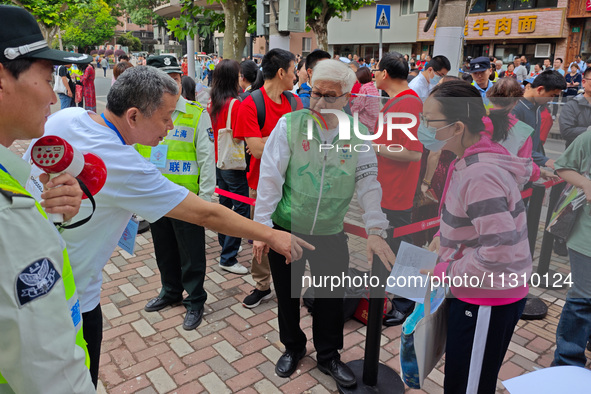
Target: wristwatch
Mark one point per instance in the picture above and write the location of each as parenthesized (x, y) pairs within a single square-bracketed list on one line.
[(379, 232)]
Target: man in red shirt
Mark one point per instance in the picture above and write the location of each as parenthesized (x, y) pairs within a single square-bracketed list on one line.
[(398, 168), (278, 68)]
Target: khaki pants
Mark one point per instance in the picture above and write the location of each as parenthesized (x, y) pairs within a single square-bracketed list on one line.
[(261, 273)]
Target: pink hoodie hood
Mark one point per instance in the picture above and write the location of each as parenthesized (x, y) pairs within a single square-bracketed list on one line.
[(483, 225)]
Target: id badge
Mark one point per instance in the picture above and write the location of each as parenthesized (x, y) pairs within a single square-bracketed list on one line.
[(127, 240), (158, 155)]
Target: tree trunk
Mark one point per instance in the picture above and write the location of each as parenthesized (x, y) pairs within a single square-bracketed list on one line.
[(236, 19), (320, 29)]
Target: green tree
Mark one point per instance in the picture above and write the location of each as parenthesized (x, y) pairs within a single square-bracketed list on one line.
[(238, 18), (128, 40), (141, 12), (91, 25), (51, 15), (319, 12)]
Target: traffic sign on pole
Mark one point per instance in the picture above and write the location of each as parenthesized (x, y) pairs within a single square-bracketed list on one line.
[(382, 16)]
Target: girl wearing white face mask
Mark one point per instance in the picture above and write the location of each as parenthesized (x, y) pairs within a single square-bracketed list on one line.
[(483, 235)]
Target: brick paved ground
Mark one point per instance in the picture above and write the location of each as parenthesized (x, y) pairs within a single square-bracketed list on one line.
[(234, 349)]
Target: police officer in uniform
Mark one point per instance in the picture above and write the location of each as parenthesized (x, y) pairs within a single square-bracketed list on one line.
[(186, 157), (41, 345)]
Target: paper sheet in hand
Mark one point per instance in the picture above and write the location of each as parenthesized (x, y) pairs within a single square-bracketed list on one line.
[(563, 379), (406, 276)]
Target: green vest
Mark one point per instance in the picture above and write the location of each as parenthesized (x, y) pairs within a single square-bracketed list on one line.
[(181, 157), (8, 183), (319, 185), (517, 136)]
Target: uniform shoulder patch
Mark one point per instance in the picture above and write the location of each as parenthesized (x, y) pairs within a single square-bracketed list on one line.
[(35, 281), (195, 104), (210, 134)]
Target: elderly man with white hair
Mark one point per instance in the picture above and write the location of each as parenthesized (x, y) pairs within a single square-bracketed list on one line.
[(313, 163)]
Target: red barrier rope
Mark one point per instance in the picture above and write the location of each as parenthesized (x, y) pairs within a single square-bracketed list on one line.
[(234, 196), (399, 231)]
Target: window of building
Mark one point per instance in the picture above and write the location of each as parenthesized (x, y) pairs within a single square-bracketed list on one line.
[(129, 20), (510, 5), (406, 7), (347, 16), (506, 53), (306, 44)]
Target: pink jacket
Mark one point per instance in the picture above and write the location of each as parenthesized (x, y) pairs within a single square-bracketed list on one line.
[(483, 226), (367, 107)]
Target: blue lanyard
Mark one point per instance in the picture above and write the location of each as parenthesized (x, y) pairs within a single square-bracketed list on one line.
[(4, 169), (112, 127)]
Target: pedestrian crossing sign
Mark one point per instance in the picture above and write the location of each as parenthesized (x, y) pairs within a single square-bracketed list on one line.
[(382, 16)]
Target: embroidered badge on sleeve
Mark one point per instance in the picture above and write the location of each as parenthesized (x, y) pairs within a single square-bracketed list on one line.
[(35, 281)]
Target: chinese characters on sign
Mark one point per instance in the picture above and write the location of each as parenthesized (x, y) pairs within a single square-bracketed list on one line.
[(479, 26), (503, 24), (525, 24)]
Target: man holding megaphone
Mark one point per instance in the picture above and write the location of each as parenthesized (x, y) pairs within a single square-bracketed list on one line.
[(41, 345), (139, 109)]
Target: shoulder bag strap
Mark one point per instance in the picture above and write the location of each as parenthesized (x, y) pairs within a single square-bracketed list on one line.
[(229, 120)]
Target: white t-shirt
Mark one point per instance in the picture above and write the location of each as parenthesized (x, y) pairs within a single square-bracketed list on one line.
[(134, 185), (420, 85)]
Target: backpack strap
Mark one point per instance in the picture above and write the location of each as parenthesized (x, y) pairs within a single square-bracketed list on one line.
[(259, 103), (290, 96)]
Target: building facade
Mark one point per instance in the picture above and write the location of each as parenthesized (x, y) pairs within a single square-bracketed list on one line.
[(145, 33), (355, 32), (299, 43), (537, 29), (579, 29)]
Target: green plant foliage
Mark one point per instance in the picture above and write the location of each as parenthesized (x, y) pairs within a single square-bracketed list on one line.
[(141, 11), (128, 40), (91, 25)]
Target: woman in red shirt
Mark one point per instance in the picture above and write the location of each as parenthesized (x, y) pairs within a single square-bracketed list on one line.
[(224, 91)]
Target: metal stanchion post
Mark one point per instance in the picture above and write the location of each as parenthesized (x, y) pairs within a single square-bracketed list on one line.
[(535, 308), (372, 376), (548, 239)]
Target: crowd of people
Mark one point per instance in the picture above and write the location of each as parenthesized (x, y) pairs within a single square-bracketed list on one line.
[(471, 149)]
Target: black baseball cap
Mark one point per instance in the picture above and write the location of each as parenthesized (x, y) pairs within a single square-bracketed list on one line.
[(21, 38), (166, 63), (479, 64)]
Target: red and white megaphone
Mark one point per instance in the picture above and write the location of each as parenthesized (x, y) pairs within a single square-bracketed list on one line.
[(54, 155)]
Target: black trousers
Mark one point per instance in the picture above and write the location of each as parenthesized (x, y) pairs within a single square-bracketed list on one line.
[(399, 219), (92, 330), (180, 254), (474, 352), (331, 257)]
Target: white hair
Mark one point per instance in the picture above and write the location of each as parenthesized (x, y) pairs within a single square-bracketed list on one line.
[(334, 71), (499, 62)]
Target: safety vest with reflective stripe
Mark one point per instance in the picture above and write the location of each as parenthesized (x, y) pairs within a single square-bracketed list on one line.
[(181, 157), (10, 184)]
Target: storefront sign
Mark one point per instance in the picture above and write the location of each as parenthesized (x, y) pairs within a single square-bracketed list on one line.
[(506, 25), (588, 5)]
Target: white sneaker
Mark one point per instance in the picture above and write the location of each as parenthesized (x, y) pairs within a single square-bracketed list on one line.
[(235, 269)]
